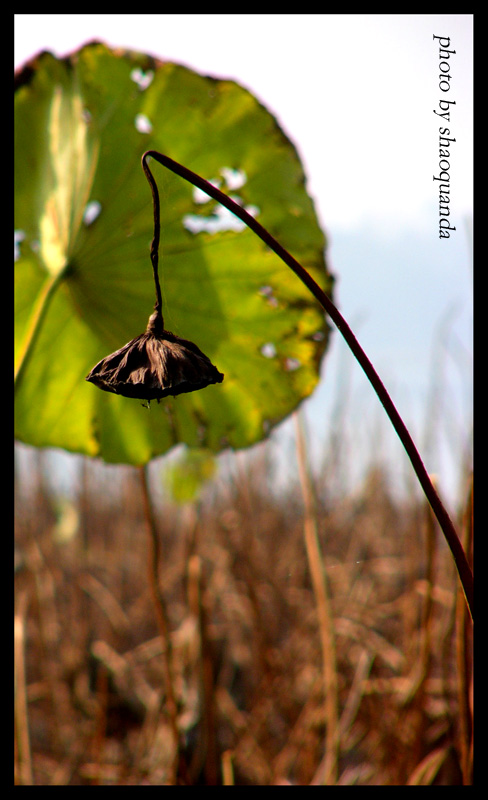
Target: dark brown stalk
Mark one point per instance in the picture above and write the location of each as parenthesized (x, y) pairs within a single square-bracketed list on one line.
[(155, 242), (463, 568), (154, 560)]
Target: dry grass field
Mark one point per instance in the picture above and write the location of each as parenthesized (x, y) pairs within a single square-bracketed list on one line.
[(297, 639)]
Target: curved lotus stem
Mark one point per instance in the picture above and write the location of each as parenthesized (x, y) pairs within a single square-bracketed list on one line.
[(464, 570)]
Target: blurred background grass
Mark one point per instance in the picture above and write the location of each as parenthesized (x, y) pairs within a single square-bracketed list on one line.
[(314, 636)]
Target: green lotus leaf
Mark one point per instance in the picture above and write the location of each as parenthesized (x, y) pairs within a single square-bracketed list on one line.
[(83, 277), (185, 477)]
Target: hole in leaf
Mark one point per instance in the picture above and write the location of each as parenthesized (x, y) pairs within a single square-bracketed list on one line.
[(234, 178), (268, 292), (91, 212), (252, 210), (143, 79), (19, 237), (268, 350), (200, 197), (143, 124), (291, 364), (221, 220)]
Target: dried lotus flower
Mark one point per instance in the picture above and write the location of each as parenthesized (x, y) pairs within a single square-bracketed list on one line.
[(156, 363)]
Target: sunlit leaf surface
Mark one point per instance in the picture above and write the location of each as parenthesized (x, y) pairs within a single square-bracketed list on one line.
[(83, 278)]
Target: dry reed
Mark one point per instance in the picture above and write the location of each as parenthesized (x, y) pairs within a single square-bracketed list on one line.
[(307, 639)]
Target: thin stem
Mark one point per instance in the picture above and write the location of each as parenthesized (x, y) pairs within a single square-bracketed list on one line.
[(154, 558), (464, 646), (324, 612), (463, 568), (157, 232), (23, 755)]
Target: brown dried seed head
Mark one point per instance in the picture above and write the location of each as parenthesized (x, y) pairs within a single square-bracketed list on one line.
[(155, 364)]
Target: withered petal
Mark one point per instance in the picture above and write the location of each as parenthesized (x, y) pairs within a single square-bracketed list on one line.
[(155, 365)]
